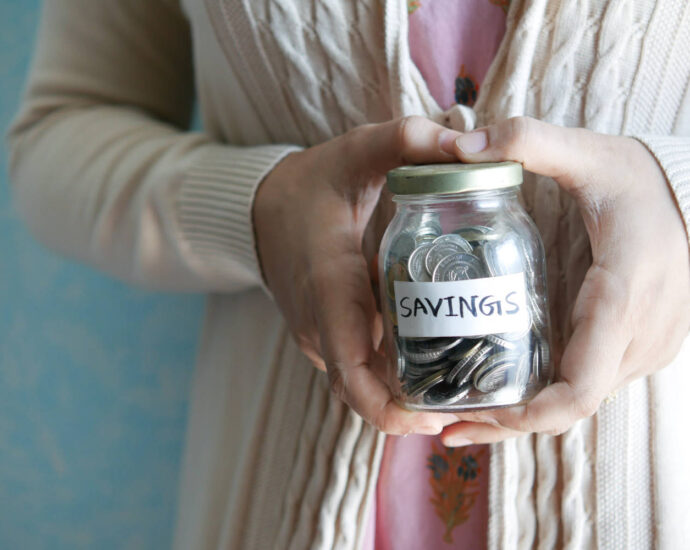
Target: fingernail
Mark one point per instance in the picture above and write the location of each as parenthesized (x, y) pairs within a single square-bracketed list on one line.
[(446, 141), (456, 441), (472, 142)]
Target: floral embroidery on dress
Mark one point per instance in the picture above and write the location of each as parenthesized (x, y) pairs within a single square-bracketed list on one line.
[(412, 5), (466, 88), (454, 480), (503, 4)]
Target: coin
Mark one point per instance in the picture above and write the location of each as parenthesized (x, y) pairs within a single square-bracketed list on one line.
[(421, 357), (416, 266), (456, 239), (413, 371), (427, 383), (477, 233), (440, 250), (444, 393), (540, 357), (493, 374), (425, 238), (458, 267), (464, 362), (501, 342)]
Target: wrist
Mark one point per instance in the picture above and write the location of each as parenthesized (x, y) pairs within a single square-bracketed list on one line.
[(268, 207)]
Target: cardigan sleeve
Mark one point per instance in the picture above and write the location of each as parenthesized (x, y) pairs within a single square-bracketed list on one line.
[(673, 155), (103, 166)]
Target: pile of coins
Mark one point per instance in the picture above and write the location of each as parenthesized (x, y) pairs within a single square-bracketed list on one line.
[(444, 371)]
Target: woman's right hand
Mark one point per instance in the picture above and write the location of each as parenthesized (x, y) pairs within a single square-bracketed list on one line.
[(311, 214)]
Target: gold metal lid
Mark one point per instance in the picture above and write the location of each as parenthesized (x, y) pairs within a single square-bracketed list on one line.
[(437, 179)]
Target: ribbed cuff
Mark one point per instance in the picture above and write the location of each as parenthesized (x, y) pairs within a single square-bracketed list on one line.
[(214, 206), (673, 155)]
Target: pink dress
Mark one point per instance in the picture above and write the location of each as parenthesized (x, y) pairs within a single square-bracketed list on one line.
[(430, 497)]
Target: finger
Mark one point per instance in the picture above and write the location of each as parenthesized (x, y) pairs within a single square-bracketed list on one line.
[(461, 434), (345, 311), (571, 156), (409, 140), (590, 365)]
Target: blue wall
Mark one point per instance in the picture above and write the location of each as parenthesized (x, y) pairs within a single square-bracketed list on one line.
[(94, 379)]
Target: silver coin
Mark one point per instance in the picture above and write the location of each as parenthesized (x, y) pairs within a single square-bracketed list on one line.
[(493, 374), (456, 239), (401, 367), (440, 250), (415, 372), (477, 233), (475, 362), (502, 342), (425, 238), (461, 371), (427, 383), (422, 357), (416, 267), (541, 357), (458, 267), (446, 394)]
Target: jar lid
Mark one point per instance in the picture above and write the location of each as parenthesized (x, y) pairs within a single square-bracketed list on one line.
[(453, 178)]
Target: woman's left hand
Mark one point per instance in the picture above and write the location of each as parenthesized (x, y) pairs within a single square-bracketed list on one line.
[(633, 309)]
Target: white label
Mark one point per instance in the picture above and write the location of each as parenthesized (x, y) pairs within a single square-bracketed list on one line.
[(462, 308)]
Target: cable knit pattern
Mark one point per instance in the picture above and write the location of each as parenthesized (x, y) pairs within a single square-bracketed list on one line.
[(615, 34), (548, 506), (572, 506), (570, 23), (527, 519)]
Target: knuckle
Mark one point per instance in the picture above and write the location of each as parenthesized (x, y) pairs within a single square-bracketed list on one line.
[(528, 422), (584, 404), (517, 130), (406, 129), (386, 423), (380, 421)]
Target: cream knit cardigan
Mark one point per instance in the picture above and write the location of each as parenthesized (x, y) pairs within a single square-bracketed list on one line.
[(105, 171)]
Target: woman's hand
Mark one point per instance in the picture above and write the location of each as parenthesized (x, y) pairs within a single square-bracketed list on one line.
[(310, 217), (633, 309)]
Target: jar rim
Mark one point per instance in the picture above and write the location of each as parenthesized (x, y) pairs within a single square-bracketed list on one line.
[(435, 179)]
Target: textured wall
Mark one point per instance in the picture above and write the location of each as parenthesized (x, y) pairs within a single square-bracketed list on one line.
[(94, 379)]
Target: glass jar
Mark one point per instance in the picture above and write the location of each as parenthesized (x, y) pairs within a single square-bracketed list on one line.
[(463, 289)]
